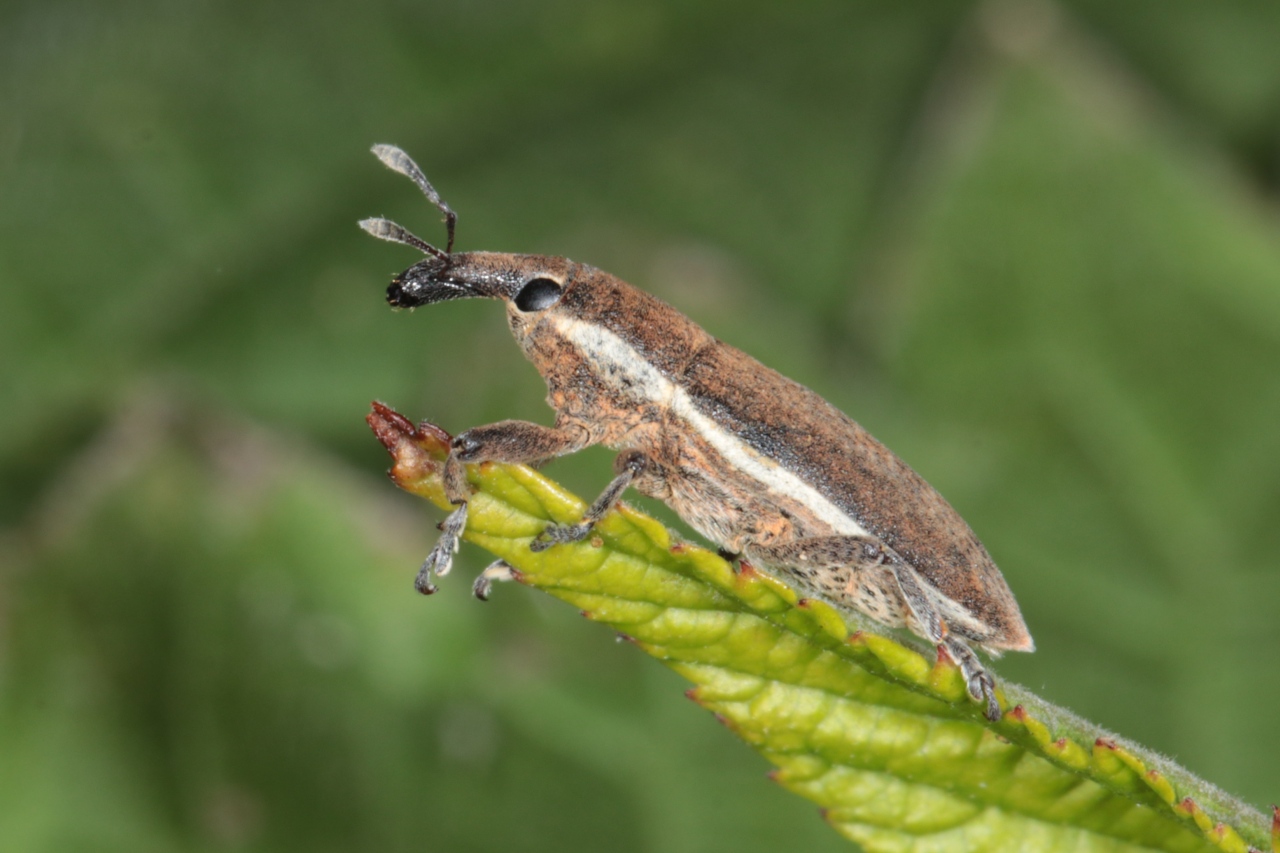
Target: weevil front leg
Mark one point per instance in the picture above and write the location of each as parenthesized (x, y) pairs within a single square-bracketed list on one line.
[(505, 441), (628, 466), (820, 557)]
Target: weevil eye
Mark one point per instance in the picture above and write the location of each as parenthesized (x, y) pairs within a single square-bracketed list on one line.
[(537, 294)]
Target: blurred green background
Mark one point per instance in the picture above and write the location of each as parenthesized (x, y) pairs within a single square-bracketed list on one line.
[(1033, 247)]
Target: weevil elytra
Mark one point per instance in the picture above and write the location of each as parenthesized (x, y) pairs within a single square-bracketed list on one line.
[(760, 465)]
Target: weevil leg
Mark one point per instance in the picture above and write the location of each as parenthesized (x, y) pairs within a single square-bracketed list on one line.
[(822, 562), (498, 571), (629, 465), (506, 441), (440, 559)]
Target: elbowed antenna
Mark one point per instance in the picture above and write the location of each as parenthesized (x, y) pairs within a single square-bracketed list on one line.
[(398, 161)]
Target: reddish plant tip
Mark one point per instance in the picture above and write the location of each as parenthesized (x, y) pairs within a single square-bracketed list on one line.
[(1017, 713), (692, 693), (945, 658), (677, 548), (803, 604), (394, 430), (625, 638), (1188, 806), (1060, 744), (389, 426), (774, 775), (745, 568), (1105, 743), (1153, 775), (854, 638)]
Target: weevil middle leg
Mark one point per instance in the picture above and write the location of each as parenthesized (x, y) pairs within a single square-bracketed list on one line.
[(629, 465)]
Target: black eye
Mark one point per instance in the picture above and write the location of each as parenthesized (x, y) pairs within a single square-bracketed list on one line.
[(538, 294)]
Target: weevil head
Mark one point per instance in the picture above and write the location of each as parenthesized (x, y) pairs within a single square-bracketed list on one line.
[(531, 286), (580, 327), (592, 336)]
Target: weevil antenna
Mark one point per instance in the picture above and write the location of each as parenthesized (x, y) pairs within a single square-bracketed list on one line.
[(385, 229), (398, 161)]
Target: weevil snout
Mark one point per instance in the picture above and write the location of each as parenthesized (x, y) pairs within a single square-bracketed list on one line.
[(461, 276), (423, 284), (530, 283)]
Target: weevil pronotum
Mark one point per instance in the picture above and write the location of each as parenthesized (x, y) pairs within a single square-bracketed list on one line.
[(760, 465)]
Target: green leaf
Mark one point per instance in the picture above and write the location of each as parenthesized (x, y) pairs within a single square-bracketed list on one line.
[(883, 738)]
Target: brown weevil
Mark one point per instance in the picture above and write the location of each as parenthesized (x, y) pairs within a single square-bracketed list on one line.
[(758, 464)]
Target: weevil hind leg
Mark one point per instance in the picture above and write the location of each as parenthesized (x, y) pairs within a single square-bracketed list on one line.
[(825, 564), (978, 681), (629, 465)]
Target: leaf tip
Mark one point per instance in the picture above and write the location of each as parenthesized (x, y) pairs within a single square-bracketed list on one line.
[(416, 450)]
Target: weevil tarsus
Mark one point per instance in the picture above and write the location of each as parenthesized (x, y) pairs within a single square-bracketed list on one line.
[(977, 680), (440, 560), (398, 161), (498, 571)]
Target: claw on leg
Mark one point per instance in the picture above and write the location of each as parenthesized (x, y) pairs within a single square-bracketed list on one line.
[(497, 571), (979, 683), (440, 560)]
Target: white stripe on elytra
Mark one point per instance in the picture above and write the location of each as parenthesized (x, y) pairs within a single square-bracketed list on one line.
[(614, 357)]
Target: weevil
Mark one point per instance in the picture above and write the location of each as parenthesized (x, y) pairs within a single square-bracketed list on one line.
[(758, 464)]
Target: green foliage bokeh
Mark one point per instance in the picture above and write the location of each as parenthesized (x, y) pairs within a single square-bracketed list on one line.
[(1034, 248)]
